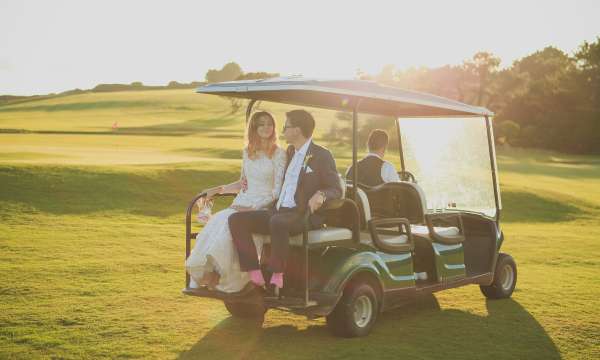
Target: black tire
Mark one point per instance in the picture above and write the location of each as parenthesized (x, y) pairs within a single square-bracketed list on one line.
[(357, 295), (246, 310), (505, 279)]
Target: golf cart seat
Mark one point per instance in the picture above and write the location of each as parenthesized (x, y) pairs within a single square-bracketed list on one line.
[(422, 230), (367, 239), (324, 235), (388, 234), (407, 200), (315, 237)]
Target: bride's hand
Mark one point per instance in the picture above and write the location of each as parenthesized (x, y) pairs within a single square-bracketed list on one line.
[(244, 184), (210, 193)]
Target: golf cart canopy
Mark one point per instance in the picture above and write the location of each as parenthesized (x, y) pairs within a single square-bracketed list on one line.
[(445, 144), (345, 95)]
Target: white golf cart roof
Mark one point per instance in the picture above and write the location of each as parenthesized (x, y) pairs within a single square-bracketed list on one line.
[(344, 95)]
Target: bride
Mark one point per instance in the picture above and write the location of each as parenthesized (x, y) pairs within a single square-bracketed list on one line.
[(214, 260)]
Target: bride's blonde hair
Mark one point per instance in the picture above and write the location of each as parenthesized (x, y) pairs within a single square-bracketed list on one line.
[(254, 140)]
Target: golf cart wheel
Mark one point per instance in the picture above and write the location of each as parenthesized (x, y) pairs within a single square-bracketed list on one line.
[(505, 279), (356, 312), (246, 310)]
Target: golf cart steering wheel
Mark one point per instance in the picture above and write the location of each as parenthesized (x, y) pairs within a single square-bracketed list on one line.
[(407, 176)]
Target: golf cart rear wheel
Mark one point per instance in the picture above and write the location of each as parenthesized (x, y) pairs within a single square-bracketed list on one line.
[(246, 310), (356, 312), (505, 279)]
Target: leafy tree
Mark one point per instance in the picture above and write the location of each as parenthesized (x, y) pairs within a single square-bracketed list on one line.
[(506, 131), (588, 93), (479, 73), (228, 72), (541, 101), (257, 75)]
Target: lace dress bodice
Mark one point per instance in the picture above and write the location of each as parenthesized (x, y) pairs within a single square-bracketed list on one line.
[(265, 178)]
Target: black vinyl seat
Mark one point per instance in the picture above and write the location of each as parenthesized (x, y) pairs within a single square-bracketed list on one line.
[(334, 231)]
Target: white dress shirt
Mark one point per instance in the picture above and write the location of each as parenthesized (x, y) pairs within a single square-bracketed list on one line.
[(286, 198), (388, 172)]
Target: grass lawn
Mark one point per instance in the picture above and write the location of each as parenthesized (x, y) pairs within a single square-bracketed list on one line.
[(92, 245)]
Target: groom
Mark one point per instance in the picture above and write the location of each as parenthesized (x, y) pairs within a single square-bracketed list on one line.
[(310, 179)]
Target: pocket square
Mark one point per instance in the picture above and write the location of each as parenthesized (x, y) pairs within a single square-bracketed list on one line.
[(308, 170)]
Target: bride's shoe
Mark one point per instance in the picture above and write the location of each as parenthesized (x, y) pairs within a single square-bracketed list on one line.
[(214, 280), (210, 279), (205, 280)]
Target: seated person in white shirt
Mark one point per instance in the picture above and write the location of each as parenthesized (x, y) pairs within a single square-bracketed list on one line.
[(372, 169)]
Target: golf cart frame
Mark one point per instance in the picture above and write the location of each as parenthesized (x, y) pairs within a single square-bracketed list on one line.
[(366, 258)]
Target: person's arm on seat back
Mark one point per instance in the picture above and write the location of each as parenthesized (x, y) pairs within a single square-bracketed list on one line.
[(388, 172)]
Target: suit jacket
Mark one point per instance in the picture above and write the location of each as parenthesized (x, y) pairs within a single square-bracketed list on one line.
[(324, 177)]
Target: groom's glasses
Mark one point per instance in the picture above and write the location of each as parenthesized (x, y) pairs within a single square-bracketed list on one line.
[(286, 126)]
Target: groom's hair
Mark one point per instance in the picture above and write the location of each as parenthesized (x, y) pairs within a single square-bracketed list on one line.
[(302, 119)]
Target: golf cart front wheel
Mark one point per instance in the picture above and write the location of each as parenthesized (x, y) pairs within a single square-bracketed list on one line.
[(356, 312), (505, 279), (246, 310)]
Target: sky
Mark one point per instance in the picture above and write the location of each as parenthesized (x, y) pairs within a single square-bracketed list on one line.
[(58, 45)]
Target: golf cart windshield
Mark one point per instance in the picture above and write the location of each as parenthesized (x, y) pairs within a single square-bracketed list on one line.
[(451, 161)]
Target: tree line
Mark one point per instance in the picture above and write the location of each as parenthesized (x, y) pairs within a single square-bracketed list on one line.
[(134, 86), (548, 99)]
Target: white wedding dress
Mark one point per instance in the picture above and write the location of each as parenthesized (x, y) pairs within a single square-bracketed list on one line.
[(214, 249)]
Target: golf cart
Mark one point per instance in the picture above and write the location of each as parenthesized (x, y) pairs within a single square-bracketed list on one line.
[(382, 246)]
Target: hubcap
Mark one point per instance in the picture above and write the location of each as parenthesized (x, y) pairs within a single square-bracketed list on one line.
[(507, 277), (363, 311)]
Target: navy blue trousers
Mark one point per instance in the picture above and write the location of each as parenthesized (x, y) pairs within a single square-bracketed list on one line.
[(279, 224)]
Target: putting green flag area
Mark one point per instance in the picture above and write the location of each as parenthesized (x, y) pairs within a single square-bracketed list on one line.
[(93, 193)]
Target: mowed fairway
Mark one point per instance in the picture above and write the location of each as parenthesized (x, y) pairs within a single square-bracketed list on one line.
[(93, 190)]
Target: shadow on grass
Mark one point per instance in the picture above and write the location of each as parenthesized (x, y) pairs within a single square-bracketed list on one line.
[(414, 331), (211, 152), (564, 169), (228, 136), (187, 127), (212, 127), (69, 190), (520, 206), (214, 133)]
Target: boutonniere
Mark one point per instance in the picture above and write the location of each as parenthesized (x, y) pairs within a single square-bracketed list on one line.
[(306, 160)]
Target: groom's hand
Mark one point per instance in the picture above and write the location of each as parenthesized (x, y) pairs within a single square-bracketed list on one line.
[(316, 201)]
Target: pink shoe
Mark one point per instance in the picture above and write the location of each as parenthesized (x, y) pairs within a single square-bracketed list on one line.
[(277, 280), (256, 277)]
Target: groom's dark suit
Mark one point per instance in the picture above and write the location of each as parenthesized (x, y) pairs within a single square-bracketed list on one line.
[(283, 222)]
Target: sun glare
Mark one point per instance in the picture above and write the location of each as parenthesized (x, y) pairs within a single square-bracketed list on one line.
[(450, 160)]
